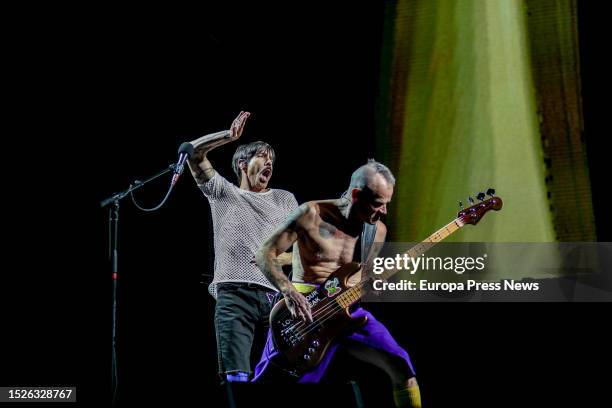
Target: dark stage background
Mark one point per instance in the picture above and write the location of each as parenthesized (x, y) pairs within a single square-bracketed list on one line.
[(120, 90)]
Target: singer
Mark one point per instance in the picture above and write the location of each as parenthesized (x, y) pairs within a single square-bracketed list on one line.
[(243, 218)]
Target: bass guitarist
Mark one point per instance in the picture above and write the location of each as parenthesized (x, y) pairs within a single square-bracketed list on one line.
[(327, 235)]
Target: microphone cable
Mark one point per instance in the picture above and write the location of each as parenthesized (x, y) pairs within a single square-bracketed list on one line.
[(185, 151)]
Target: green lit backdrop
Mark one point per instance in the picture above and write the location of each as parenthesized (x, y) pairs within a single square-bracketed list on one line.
[(478, 94)]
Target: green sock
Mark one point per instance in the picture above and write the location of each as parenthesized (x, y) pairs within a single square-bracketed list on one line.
[(407, 397)]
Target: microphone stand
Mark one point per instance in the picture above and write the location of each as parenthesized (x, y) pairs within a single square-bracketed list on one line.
[(113, 254)]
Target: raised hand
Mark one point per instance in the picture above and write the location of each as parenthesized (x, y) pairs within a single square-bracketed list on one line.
[(209, 142), (238, 125)]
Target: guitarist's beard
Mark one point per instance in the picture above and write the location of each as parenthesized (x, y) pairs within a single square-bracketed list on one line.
[(360, 212), (377, 217), (353, 212)]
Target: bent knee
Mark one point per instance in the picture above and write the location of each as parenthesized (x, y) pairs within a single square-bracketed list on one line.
[(404, 383), (411, 382)]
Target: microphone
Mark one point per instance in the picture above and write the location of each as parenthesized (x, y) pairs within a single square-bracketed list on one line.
[(185, 151)]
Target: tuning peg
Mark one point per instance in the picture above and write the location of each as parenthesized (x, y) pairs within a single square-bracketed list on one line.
[(481, 196), (471, 200), (491, 192), (461, 205)]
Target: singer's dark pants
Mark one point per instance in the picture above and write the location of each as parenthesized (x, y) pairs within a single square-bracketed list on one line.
[(241, 308)]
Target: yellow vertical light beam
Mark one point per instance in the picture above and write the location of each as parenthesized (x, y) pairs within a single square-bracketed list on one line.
[(466, 120)]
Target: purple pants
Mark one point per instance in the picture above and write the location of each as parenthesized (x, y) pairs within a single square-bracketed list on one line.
[(373, 334)]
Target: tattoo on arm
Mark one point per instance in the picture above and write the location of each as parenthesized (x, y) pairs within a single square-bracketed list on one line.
[(203, 175), (285, 258), (282, 239), (202, 170)]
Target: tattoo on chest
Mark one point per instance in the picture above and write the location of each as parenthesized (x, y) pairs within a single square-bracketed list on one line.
[(326, 230)]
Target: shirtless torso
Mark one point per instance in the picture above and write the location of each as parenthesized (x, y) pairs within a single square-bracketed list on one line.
[(326, 241)]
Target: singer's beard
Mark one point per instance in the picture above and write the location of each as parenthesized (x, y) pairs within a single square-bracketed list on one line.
[(260, 181)]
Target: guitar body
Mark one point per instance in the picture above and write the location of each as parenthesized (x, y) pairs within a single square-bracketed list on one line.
[(302, 345)]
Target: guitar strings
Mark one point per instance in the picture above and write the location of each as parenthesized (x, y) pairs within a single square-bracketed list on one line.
[(299, 322), (312, 326), (327, 314), (331, 303)]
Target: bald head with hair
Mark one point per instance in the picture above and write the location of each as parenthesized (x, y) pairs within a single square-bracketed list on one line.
[(370, 190), (364, 174)]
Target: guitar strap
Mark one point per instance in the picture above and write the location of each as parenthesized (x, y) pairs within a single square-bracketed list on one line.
[(368, 234)]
